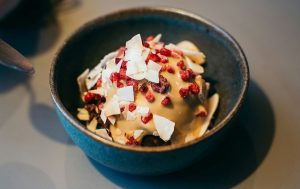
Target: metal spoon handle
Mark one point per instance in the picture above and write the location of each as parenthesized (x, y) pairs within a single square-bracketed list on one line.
[(10, 57)]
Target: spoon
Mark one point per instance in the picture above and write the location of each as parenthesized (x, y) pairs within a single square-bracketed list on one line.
[(10, 57)]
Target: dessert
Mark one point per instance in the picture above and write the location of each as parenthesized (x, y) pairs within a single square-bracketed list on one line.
[(148, 91)]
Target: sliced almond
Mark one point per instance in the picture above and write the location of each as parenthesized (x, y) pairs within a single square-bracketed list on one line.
[(83, 114), (189, 48), (92, 125)]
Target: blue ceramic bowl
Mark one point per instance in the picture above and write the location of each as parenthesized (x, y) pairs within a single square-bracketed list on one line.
[(226, 68)]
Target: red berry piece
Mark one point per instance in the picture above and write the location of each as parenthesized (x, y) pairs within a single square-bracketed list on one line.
[(124, 64), (184, 92), (194, 88), (131, 107), (162, 86), (146, 44), (150, 38), (165, 52), (120, 84), (149, 96), (170, 69), (181, 64), (164, 59), (114, 77), (143, 88), (166, 101), (146, 118), (191, 72), (123, 73), (153, 57), (89, 97), (100, 106), (132, 141), (133, 83), (122, 109), (99, 83), (185, 75)]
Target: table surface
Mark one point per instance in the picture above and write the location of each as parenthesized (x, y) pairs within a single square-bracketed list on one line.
[(263, 152)]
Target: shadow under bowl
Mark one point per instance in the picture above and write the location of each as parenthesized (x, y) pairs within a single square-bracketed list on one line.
[(226, 69)]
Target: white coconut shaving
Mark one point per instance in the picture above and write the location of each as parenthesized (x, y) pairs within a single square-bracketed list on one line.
[(103, 133), (164, 127), (112, 107), (126, 93), (142, 110), (137, 133), (153, 71)]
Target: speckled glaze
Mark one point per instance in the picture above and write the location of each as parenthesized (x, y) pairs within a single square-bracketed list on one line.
[(226, 69)]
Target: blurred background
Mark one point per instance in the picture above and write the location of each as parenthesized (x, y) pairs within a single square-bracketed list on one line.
[(263, 152)]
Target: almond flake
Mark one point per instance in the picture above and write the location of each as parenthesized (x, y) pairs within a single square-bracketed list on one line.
[(212, 104), (92, 125), (164, 127), (103, 133), (126, 94), (83, 114), (195, 67)]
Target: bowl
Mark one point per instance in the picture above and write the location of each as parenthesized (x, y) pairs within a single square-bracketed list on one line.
[(226, 68)]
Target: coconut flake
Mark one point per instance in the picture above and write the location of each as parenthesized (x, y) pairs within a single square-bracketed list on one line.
[(142, 110), (106, 58), (195, 67), (103, 116), (137, 133), (153, 71), (164, 127), (81, 81), (112, 107), (112, 119), (126, 94), (131, 115), (103, 133)]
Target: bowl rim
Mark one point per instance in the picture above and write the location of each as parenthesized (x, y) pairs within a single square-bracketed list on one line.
[(158, 149)]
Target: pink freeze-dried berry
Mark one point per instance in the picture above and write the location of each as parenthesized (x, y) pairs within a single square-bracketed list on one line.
[(114, 77), (184, 92), (194, 88), (146, 118), (170, 69), (149, 96), (131, 141), (146, 44), (120, 84), (181, 64), (165, 52), (153, 57), (166, 101), (164, 59), (89, 97), (100, 106), (131, 107), (143, 88), (185, 75), (162, 86), (122, 108), (133, 83), (150, 38)]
